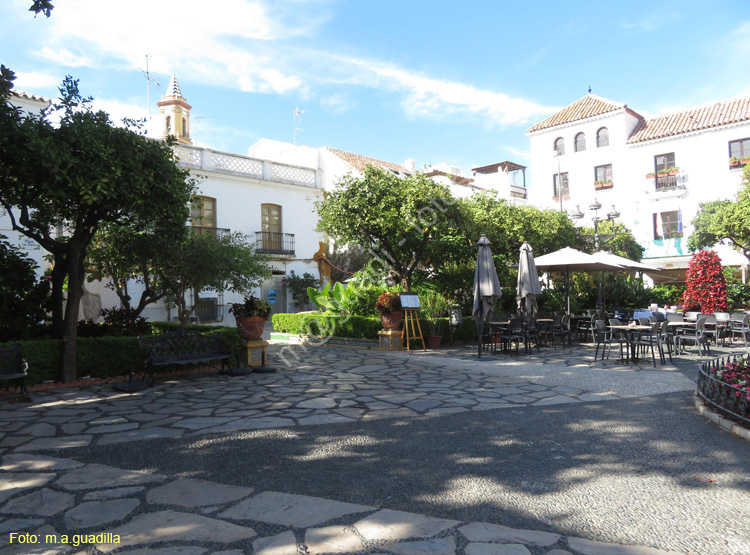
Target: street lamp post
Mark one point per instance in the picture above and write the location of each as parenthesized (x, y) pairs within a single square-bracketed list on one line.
[(596, 206)]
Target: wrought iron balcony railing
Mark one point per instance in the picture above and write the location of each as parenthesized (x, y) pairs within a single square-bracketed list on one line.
[(668, 183), (269, 242)]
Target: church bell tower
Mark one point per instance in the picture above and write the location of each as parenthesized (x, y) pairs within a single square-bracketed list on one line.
[(175, 114)]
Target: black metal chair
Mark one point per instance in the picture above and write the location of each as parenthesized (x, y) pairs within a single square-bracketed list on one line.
[(698, 338), (606, 338), (644, 341), (531, 331), (513, 333), (666, 337)]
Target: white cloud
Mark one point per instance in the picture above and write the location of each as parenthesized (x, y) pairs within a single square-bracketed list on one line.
[(338, 103), (28, 81), (63, 57), (245, 45), (526, 154), (429, 97)]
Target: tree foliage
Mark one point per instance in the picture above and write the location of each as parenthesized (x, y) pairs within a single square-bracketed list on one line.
[(60, 183), (223, 261), (724, 221), (706, 286), (396, 219), (24, 299)]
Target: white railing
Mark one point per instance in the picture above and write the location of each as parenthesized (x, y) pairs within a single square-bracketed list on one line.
[(211, 160)]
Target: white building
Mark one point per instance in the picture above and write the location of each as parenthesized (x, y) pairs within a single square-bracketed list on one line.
[(29, 104), (603, 150), (506, 178)]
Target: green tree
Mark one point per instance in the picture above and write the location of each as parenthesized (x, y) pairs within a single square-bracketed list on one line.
[(124, 255), (724, 221), (23, 298), (224, 261), (60, 183), (396, 219)]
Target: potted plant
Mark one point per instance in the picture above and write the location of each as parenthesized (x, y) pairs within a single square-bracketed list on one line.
[(745, 159), (650, 175), (603, 184), (388, 306), (674, 170), (250, 317), (433, 307), (734, 161)]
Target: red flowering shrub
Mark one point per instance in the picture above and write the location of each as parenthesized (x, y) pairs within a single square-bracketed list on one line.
[(737, 375), (706, 286)]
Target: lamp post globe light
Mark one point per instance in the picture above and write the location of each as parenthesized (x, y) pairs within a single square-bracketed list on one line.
[(595, 206)]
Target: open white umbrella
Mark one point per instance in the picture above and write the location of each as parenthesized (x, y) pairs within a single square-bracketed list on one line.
[(571, 260), (528, 281), (486, 287), (626, 263)]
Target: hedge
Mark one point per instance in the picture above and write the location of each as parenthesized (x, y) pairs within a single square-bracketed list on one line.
[(356, 327), (104, 357)]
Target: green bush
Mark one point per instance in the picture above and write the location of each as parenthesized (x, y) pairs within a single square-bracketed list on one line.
[(357, 327), (105, 357)]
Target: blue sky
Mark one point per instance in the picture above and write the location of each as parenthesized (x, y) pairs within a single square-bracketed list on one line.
[(435, 81)]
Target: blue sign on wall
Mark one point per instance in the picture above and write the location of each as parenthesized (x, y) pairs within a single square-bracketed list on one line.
[(271, 296)]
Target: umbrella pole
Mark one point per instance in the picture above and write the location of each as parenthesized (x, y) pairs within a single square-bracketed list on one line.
[(567, 286), (480, 329)]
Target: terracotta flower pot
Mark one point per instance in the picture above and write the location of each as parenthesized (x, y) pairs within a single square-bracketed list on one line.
[(432, 341), (250, 327), (392, 320)]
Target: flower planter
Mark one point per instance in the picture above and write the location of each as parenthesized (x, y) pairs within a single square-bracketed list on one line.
[(432, 341), (250, 327), (392, 320)]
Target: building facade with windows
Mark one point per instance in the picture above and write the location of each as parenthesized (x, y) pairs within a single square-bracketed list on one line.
[(655, 171), (271, 203)]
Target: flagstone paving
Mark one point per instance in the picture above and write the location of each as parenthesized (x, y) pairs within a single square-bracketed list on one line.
[(156, 514)]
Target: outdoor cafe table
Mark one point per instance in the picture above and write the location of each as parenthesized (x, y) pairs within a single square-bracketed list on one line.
[(631, 336)]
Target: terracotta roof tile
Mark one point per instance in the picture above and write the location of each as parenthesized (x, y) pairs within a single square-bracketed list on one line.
[(29, 96), (589, 106), (359, 162), (725, 112)]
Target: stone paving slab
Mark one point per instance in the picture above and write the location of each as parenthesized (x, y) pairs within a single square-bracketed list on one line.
[(190, 493), (388, 525), (289, 509), (171, 526)]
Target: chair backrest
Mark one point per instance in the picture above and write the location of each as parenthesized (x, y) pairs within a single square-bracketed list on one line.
[(739, 316), (675, 317), (722, 316), (664, 328), (565, 322), (692, 316), (700, 327), (652, 319), (660, 316), (710, 319), (615, 322), (600, 327), (655, 327), (644, 322), (515, 325)]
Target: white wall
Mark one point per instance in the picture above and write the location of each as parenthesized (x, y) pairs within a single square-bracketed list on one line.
[(703, 159)]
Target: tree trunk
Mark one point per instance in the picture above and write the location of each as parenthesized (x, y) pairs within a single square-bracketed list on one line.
[(58, 296), (76, 276)]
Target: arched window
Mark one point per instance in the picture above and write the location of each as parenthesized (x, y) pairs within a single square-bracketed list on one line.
[(168, 125), (184, 127), (602, 137), (580, 142), (559, 146)]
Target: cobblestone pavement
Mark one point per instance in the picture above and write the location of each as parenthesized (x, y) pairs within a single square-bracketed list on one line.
[(45, 490)]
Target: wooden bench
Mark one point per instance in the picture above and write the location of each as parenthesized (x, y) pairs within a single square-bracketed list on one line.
[(184, 347), (13, 366)]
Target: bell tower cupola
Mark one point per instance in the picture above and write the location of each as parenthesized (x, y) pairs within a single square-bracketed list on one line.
[(175, 114)]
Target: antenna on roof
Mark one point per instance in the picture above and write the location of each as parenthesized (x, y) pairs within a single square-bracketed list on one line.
[(589, 89), (296, 122), (195, 127), (149, 79)]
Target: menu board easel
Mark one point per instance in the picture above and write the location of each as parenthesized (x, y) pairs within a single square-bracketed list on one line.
[(410, 306)]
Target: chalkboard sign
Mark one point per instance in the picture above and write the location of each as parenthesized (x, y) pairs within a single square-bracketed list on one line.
[(409, 301)]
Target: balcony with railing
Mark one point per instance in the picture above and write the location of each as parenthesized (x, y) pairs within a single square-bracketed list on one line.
[(269, 242), (667, 183), (517, 192), (211, 160)]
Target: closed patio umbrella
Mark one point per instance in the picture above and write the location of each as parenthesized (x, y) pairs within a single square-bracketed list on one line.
[(528, 281), (486, 287)]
